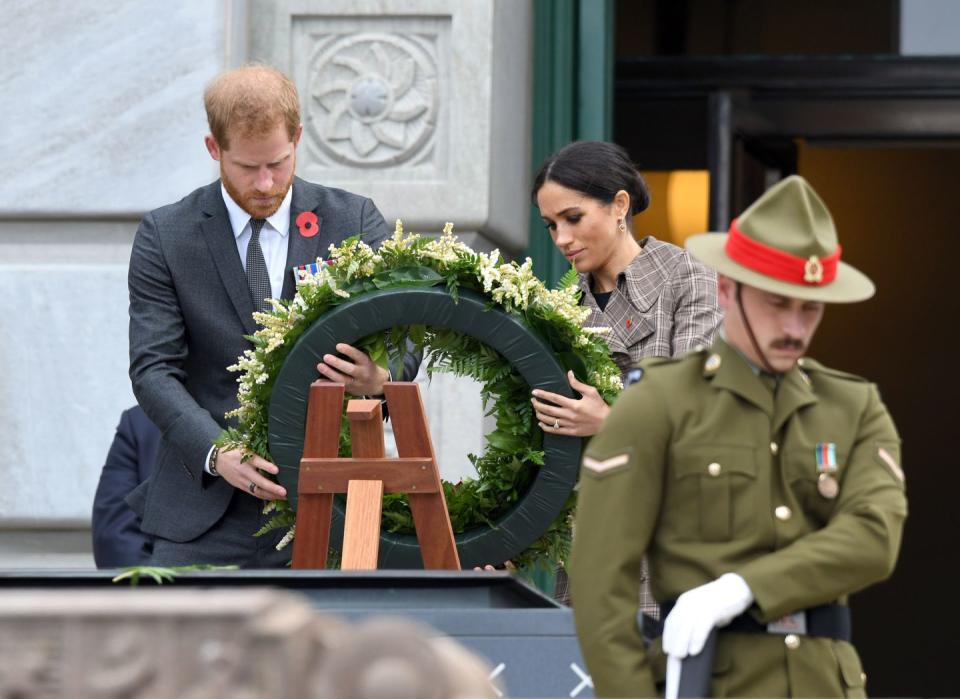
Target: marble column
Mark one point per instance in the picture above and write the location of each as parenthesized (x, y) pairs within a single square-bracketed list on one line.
[(102, 121)]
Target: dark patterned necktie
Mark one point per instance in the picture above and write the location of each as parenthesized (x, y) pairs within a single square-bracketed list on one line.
[(258, 277)]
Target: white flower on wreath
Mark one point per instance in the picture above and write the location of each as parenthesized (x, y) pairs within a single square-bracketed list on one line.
[(275, 325), (488, 267), (566, 303), (518, 285), (399, 242), (447, 248), (610, 381), (353, 260)]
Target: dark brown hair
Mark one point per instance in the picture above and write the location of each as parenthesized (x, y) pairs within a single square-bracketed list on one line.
[(597, 169)]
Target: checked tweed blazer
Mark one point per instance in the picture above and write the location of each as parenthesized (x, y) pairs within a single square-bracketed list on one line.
[(665, 304), (190, 308)]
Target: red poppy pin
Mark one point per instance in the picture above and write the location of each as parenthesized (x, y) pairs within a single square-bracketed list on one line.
[(307, 223)]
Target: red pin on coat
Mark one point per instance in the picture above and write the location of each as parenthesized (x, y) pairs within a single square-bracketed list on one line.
[(307, 223)]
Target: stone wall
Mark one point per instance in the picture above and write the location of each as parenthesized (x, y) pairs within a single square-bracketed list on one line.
[(103, 122)]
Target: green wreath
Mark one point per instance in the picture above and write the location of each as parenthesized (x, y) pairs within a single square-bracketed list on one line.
[(514, 451)]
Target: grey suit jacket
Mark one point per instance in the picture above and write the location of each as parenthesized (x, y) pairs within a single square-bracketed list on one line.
[(190, 308)]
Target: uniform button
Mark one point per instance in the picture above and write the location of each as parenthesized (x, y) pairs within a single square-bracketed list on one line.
[(774, 448), (791, 641), (801, 361), (783, 513), (712, 364), (714, 469), (863, 677)]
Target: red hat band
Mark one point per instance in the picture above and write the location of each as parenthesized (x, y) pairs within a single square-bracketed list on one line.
[(771, 262)]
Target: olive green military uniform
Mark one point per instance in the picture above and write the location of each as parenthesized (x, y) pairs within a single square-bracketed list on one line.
[(706, 469)]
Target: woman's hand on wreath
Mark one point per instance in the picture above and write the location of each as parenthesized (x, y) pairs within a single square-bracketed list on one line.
[(575, 417), (247, 476), (355, 370)]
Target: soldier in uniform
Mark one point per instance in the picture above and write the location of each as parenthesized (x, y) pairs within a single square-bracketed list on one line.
[(763, 487)]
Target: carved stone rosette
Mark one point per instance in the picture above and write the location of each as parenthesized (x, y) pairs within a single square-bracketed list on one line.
[(423, 105), (373, 98)]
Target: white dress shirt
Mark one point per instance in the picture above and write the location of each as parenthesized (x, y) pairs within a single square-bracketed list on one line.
[(274, 238)]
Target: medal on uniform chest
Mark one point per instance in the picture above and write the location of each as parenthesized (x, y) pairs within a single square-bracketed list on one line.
[(827, 468)]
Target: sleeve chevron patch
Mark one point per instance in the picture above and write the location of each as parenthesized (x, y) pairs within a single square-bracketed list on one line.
[(605, 465)]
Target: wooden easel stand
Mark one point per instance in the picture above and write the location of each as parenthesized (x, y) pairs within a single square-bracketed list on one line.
[(366, 476)]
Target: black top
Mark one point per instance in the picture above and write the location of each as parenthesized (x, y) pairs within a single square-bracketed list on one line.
[(602, 299)]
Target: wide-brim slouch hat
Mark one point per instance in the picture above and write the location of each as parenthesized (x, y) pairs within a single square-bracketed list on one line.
[(785, 243)]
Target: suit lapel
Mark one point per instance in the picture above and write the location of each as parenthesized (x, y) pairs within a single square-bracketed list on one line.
[(629, 326), (628, 312), (301, 250), (646, 274), (223, 247)]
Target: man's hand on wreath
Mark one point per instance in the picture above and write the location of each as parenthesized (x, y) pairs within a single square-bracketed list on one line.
[(355, 370), (506, 565), (247, 476), (575, 417)]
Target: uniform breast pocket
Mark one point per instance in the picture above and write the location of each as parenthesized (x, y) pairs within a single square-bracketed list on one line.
[(714, 491), (817, 495)]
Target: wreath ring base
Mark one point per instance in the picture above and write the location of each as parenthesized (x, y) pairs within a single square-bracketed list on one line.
[(471, 315)]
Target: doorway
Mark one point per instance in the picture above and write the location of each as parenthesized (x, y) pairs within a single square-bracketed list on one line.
[(897, 210)]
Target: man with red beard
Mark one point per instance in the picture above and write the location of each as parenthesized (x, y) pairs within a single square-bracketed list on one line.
[(763, 487), (198, 270)]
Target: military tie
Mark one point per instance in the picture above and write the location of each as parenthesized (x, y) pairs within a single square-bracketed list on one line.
[(258, 277), (771, 381)]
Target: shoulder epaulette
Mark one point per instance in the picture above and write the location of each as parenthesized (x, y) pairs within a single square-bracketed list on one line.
[(812, 366), (636, 372), (699, 350), (648, 362)]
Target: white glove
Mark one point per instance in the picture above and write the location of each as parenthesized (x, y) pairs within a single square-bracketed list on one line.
[(699, 610), (672, 690)]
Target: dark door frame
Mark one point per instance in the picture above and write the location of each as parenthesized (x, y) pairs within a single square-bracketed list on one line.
[(572, 96), (758, 102)]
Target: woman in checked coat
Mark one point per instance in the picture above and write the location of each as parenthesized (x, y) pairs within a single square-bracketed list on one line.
[(656, 300)]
